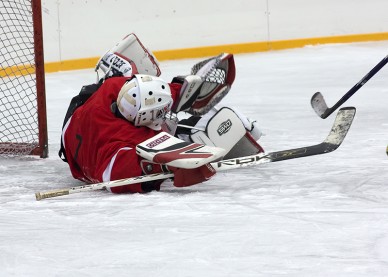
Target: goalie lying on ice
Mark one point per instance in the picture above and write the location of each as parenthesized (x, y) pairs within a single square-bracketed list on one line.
[(127, 126)]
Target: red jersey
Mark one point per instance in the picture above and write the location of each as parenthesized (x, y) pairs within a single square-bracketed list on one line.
[(100, 146)]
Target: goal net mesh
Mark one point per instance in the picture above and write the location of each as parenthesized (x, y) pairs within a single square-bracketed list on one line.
[(19, 132)]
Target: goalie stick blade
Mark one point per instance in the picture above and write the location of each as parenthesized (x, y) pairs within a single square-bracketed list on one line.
[(319, 105), (341, 126), (337, 134)]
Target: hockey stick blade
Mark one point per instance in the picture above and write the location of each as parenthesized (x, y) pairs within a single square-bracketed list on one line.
[(340, 128), (337, 134), (318, 102), (319, 105)]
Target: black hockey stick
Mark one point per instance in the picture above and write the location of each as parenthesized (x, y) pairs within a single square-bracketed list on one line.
[(340, 128), (318, 102)]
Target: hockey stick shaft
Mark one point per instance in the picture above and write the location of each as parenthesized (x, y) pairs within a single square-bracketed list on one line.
[(337, 134), (103, 185), (318, 102)]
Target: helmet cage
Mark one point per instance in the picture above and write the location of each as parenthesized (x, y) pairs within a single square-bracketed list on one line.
[(152, 117), (153, 101)]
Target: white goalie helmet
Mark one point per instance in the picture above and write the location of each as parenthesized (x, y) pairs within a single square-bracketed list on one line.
[(145, 100)]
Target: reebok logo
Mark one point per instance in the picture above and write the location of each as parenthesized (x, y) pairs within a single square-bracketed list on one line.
[(157, 141)]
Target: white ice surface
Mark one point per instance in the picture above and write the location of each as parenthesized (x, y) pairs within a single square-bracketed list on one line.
[(325, 215)]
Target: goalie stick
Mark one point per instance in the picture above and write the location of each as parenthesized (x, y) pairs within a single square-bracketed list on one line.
[(337, 134), (318, 102)]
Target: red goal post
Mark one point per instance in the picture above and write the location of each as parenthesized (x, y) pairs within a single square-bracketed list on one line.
[(23, 116)]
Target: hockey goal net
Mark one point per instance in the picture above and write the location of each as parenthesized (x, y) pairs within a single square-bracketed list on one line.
[(23, 123)]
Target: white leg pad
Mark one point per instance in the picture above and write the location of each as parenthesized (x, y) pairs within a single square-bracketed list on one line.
[(225, 128)]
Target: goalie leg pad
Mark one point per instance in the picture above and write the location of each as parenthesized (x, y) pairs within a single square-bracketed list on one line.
[(171, 151), (229, 129), (128, 57), (182, 177), (188, 177)]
